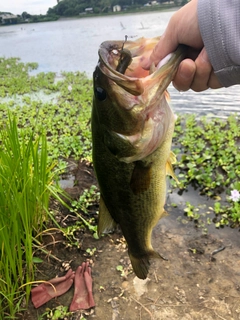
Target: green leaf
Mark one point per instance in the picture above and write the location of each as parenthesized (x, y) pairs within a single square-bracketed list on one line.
[(37, 260)]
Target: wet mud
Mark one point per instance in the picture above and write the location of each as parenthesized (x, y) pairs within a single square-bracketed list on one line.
[(197, 281)]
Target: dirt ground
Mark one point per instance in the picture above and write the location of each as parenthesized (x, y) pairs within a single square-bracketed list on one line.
[(194, 283)]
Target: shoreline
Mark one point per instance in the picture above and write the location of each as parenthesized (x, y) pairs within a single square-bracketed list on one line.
[(92, 15)]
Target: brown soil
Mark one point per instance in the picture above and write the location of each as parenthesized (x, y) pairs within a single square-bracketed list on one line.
[(192, 284)]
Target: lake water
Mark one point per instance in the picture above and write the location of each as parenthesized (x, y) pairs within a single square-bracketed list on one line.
[(72, 45)]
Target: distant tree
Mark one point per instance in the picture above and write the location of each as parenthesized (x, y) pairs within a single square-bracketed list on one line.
[(80, 8), (61, 8), (105, 5), (25, 15), (74, 7), (70, 12), (35, 18), (51, 11)]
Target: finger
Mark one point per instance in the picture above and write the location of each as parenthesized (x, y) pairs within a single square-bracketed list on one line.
[(185, 74), (182, 28), (213, 81), (203, 72), (160, 51), (63, 278), (166, 45), (89, 271)]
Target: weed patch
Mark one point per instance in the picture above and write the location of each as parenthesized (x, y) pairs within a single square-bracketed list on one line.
[(25, 189), (209, 159)]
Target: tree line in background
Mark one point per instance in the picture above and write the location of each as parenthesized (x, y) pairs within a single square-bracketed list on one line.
[(78, 7), (71, 8)]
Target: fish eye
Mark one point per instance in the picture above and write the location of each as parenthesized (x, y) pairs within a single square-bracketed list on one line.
[(100, 93)]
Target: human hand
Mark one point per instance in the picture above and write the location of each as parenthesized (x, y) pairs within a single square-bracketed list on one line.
[(195, 71)]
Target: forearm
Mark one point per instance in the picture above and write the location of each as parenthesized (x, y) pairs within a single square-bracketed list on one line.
[(219, 22)]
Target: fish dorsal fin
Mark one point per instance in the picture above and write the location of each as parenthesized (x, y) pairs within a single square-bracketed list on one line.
[(106, 224), (169, 168)]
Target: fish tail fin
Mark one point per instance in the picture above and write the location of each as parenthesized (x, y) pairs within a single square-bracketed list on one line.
[(141, 265), (106, 224)]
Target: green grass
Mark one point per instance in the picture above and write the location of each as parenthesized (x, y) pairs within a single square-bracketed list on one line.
[(25, 188)]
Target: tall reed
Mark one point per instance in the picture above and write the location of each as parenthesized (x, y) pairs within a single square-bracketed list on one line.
[(25, 177)]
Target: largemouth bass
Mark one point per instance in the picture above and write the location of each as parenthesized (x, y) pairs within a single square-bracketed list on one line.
[(132, 127)]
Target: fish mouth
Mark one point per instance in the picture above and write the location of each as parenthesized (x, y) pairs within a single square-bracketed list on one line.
[(139, 95), (121, 62)]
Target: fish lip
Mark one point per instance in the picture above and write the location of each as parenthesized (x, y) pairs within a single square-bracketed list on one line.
[(131, 85), (104, 54), (156, 82), (109, 46)]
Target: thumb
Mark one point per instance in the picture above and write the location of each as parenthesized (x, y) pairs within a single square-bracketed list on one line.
[(166, 45)]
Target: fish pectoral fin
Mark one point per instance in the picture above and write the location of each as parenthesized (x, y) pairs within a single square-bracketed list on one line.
[(172, 157), (106, 224), (141, 177), (141, 265), (169, 168)]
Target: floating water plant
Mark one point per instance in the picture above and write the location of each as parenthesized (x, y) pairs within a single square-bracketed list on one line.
[(63, 113), (209, 157)]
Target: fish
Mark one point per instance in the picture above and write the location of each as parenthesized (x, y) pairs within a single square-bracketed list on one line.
[(132, 127)]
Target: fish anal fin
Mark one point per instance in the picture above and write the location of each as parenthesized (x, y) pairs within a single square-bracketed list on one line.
[(141, 265), (169, 168), (164, 214), (141, 178), (106, 224)]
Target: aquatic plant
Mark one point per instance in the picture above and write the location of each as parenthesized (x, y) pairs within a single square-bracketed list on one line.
[(235, 195), (64, 114), (228, 213), (25, 189), (209, 159), (87, 199)]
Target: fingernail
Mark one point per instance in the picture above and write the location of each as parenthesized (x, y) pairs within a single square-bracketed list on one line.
[(164, 60)]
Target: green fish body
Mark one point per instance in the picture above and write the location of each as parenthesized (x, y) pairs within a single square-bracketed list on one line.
[(132, 128)]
